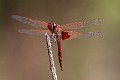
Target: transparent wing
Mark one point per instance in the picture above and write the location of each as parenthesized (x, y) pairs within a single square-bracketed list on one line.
[(78, 25), (74, 34), (34, 32), (31, 22), (39, 33)]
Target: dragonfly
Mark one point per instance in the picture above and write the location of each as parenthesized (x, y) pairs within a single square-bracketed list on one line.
[(58, 32)]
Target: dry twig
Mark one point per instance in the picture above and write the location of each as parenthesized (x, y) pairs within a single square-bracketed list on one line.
[(52, 66)]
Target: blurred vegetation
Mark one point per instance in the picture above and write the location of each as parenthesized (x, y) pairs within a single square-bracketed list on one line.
[(24, 57)]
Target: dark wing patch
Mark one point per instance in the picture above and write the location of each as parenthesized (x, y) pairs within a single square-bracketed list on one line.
[(74, 35)]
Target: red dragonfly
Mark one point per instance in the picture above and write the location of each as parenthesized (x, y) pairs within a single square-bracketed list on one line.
[(57, 32)]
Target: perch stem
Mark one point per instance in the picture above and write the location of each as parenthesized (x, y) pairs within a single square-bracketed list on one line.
[(52, 66)]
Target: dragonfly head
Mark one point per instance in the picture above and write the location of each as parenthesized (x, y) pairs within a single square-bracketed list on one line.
[(52, 26)]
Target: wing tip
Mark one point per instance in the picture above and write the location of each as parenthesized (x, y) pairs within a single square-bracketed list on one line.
[(95, 34), (98, 21), (21, 30), (14, 16), (94, 22)]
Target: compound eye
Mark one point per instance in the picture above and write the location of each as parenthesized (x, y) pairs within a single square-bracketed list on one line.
[(55, 25)]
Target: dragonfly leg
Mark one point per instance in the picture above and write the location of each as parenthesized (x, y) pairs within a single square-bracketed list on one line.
[(53, 39)]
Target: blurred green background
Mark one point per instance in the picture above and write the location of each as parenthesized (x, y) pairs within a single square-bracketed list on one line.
[(24, 57)]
